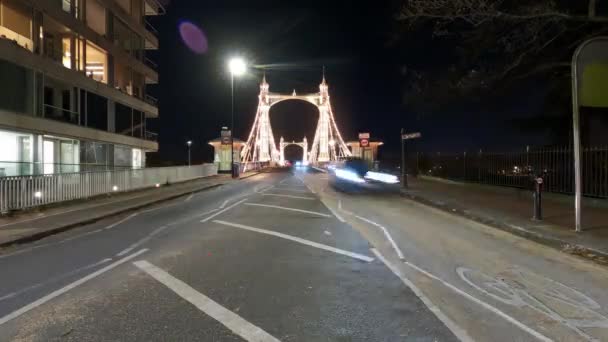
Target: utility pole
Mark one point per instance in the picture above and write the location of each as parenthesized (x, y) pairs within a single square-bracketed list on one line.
[(403, 173)]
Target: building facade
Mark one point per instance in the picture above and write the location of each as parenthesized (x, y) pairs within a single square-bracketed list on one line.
[(73, 78)]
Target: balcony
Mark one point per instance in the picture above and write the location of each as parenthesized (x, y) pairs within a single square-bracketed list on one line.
[(19, 56)]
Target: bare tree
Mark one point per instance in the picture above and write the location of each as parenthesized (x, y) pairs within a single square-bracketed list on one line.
[(504, 40)]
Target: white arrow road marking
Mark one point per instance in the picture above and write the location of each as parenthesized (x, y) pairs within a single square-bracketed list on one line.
[(67, 288), (232, 321), (297, 239)]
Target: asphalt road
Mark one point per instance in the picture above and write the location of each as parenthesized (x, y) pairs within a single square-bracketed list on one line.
[(259, 260), (491, 285)]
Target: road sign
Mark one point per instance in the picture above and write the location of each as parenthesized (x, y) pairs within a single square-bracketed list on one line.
[(226, 135), (363, 136), (409, 136), (364, 142)]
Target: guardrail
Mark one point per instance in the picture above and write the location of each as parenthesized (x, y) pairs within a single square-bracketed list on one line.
[(17, 193)]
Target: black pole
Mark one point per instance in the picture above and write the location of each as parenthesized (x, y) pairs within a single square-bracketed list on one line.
[(232, 169), (403, 174), (538, 189)]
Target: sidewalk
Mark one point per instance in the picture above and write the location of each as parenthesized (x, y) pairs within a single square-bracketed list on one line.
[(35, 224), (511, 210)]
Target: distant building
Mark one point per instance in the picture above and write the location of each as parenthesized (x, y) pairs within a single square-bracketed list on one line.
[(73, 77)]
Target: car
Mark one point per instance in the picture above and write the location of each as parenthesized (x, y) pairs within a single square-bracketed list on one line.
[(353, 175)]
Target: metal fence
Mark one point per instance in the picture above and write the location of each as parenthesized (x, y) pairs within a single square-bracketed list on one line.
[(23, 192), (514, 169)]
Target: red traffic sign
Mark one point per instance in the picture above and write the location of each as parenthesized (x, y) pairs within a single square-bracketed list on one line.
[(409, 136), (364, 142), (363, 136)]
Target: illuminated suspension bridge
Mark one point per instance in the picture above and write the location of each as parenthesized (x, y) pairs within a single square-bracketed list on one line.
[(327, 144)]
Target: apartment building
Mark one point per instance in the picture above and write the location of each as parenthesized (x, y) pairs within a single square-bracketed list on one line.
[(73, 78)]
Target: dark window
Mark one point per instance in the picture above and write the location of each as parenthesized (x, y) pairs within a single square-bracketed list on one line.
[(124, 120), (16, 94), (97, 112)]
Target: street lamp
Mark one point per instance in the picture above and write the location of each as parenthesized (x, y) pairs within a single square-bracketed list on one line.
[(189, 143), (237, 67)]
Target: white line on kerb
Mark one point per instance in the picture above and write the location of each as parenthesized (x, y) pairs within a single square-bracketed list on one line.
[(460, 333), (508, 318), (223, 210), (290, 209), (386, 234), (67, 288), (297, 239), (289, 196), (232, 321), (53, 279)]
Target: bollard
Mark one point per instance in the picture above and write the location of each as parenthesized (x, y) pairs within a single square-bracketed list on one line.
[(538, 189)]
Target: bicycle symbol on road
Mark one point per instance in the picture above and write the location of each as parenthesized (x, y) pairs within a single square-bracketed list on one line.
[(561, 303)]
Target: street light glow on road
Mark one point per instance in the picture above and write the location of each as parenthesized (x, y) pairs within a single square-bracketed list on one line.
[(237, 66)]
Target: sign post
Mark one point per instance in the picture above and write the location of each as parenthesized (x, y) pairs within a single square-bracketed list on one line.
[(589, 88), (404, 137)]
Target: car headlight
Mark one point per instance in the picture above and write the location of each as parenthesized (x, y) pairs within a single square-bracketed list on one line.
[(382, 177), (349, 176)]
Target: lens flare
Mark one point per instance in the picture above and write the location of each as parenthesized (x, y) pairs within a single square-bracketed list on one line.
[(193, 37)]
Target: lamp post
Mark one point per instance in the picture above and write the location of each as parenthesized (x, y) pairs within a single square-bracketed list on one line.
[(189, 143), (237, 67)]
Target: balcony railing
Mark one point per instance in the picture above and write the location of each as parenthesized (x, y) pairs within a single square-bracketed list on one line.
[(61, 114), (151, 100), (150, 27), (151, 136), (150, 63)]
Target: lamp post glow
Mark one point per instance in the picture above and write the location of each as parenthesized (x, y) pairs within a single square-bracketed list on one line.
[(237, 67), (189, 143)]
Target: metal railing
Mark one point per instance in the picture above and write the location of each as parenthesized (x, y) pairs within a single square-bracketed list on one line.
[(252, 166), (151, 136), (151, 100), (17, 193), (150, 27), (61, 114), (150, 63), (514, 169)]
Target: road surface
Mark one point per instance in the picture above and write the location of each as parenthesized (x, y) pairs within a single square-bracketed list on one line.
[(283, 257)]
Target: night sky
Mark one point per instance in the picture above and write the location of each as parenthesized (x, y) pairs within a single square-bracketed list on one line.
[(291, 43)]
